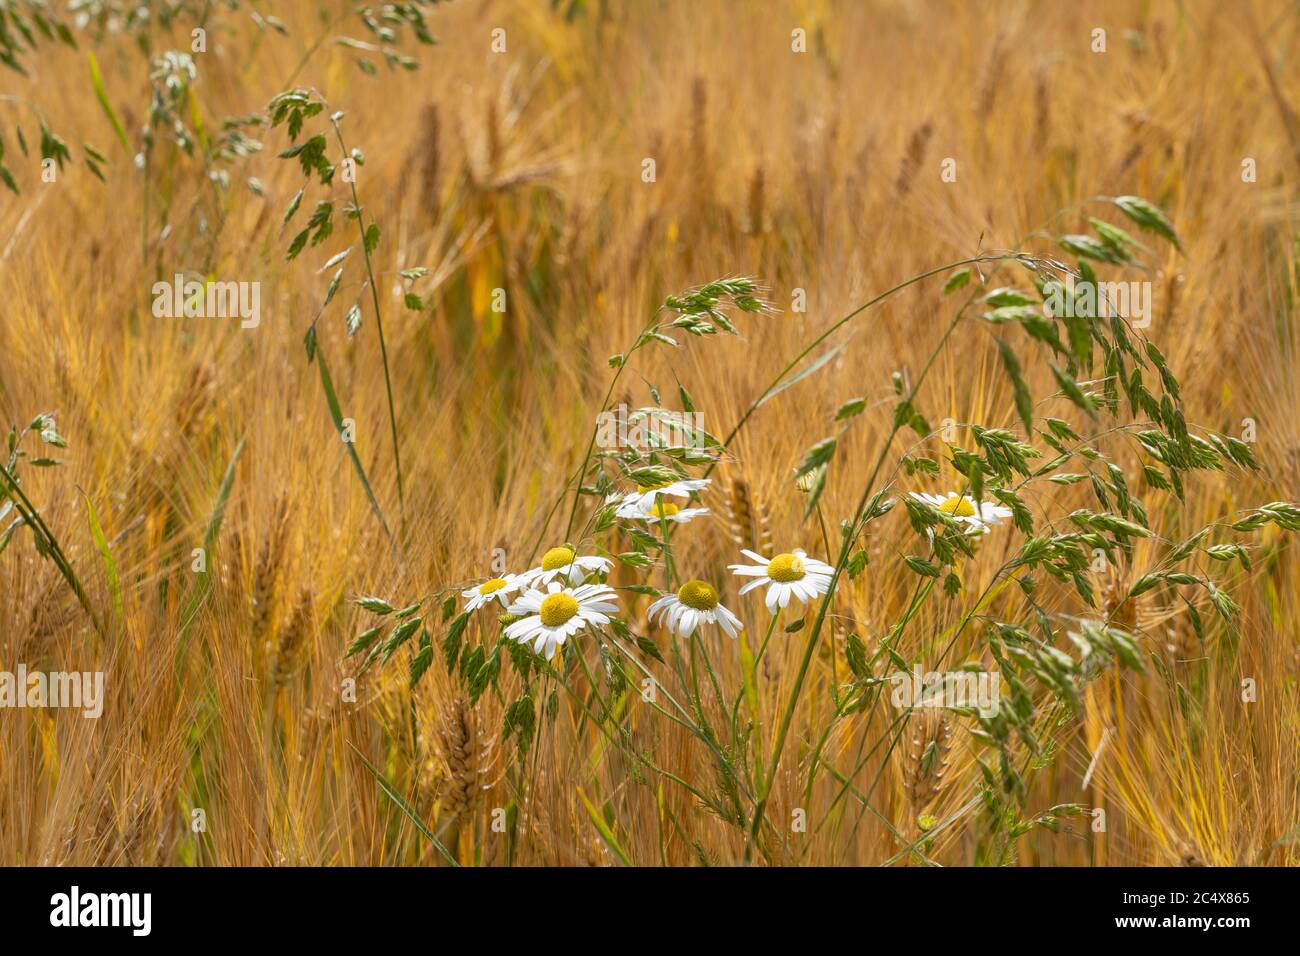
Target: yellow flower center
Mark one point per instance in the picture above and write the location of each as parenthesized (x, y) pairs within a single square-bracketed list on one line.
[(785, 567), (642, 489), (492, 587), (557, 558), (958, 505), (698, 595), (557, 608), (665, 509)]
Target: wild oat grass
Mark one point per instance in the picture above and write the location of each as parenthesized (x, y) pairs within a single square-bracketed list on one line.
[(518, 177)]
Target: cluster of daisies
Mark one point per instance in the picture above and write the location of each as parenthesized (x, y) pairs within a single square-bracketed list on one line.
[(567, 593)]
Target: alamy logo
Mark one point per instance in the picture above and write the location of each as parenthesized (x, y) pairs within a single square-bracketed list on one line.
[(134, 910), (645, 429), (208, 300), (75, 690), (1093, 300), (979, 690)]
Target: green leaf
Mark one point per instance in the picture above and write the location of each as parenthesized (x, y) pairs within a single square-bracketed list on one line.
[(1000, 298), (1024, 401), (604, 830), (110, 565), (958, 279), (853, 406), (294, 203), (336, 415), (1116, 238), (1070, 388), (816, 456), (1147, 217), (1090, 248), (364, 640), (800, 376), (921, 566), (421, 661), (97, 81)]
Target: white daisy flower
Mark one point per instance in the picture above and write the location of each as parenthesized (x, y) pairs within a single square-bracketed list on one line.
[(498, 589), (660, 510), (787, 575), (548, 619), (695, 603), (646, 495), (561, 562), (977, 516)]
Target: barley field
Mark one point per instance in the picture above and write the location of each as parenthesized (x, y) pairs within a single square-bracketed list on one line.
[(367, 563)]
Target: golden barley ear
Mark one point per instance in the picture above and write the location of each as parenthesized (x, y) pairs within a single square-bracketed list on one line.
[(1121, 610), (1042, 109), (534, 834), (1181, 641), (703, 178), (1174, 283), (763, 527), (740, 523), (429, 157), (756, 201), (748, 521), (492, 124), (912, 158), (269, 561), (925, 759), (991, 78), (291, 652), (470, 756)]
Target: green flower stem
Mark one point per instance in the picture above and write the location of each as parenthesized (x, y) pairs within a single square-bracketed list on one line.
[(379, 326), (846, 548)]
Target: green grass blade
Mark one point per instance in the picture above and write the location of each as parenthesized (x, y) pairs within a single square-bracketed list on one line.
[(798, 377), (605, 832), (402, 805), (32, 518), (336, 415), (110, 565), (199, 590), (101, 94)]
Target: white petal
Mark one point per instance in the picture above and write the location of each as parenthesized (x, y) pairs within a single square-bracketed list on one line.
[(774, 595)]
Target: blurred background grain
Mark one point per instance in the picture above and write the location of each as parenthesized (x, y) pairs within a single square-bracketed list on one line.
[(522, 171)]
